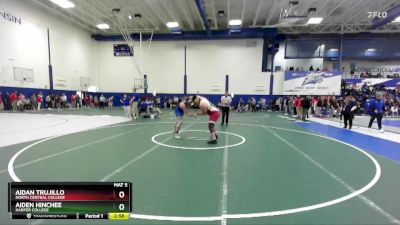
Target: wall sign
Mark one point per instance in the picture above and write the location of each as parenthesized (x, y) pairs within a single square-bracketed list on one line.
[(9, 17)]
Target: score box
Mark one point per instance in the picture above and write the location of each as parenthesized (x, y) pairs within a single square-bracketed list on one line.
[(80, 200)]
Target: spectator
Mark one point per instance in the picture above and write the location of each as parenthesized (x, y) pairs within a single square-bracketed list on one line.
[(48, 101), (7, 101), (264, 105), (175, 102), (73, 100), (395, 110), (299, 107), (110, 102), (226, 101), (102, 101), (96, 102), (78, 101), (157, 102), (1, 102), (21, 102), (134, 107), (33, 102), (278, 104), (365, 88), (352, 71), (376, 110), (39, 100), (334, 107), (253, 104), (14, 100), (241, 105), (64, 101), (349, 106), (91, 101), (57, 101), (306, 104), (311, 68), (86, 100), (125, 104), (314, 102)]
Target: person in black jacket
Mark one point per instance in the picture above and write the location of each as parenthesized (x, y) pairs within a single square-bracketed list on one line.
[(349, 106), (7, 101), (306, 103)]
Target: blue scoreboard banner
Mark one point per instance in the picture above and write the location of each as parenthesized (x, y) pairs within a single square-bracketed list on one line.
[(122, 50)]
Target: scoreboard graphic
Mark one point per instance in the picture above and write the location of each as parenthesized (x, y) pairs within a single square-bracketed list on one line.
[(73, 200)]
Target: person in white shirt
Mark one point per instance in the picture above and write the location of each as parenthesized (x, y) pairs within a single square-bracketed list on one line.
[(111, 102), (226, 101), (102, 101), (395, 110)]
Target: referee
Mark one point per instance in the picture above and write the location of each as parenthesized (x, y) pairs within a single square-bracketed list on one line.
[(226, 101)]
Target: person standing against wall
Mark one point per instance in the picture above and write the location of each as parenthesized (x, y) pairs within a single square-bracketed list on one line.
[(349, 106), (1, 102), (226, 101), (125, 104), (102, 101), (110, 102), (305, 104), (14, 99), (134, 107), (299, 107), (39, 100), (33, 102), (376, 110)]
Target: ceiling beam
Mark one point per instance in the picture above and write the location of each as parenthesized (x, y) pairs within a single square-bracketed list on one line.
[(259, 5), (188, 18), (215, 15), (155, 26), (271, 13), (244, 2), (360, 12), (165, 4), (337, 5), (86, 27), (155, 14), (320, 8), (202, 11), (228, 17)]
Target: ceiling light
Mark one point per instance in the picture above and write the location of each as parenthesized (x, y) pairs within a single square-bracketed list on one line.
[(315, 20), (370, 50), (172, 24), (397, 20), (235, 22), (63, 3), (103, 26)]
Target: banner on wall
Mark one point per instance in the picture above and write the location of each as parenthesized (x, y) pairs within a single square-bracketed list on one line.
[(389, 83), (312, 83)]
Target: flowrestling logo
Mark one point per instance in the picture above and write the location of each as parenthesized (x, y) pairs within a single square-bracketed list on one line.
[(373, 15), (315, 78), (11, 18)]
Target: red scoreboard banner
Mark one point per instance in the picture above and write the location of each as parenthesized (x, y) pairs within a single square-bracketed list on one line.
[(72, 200)]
